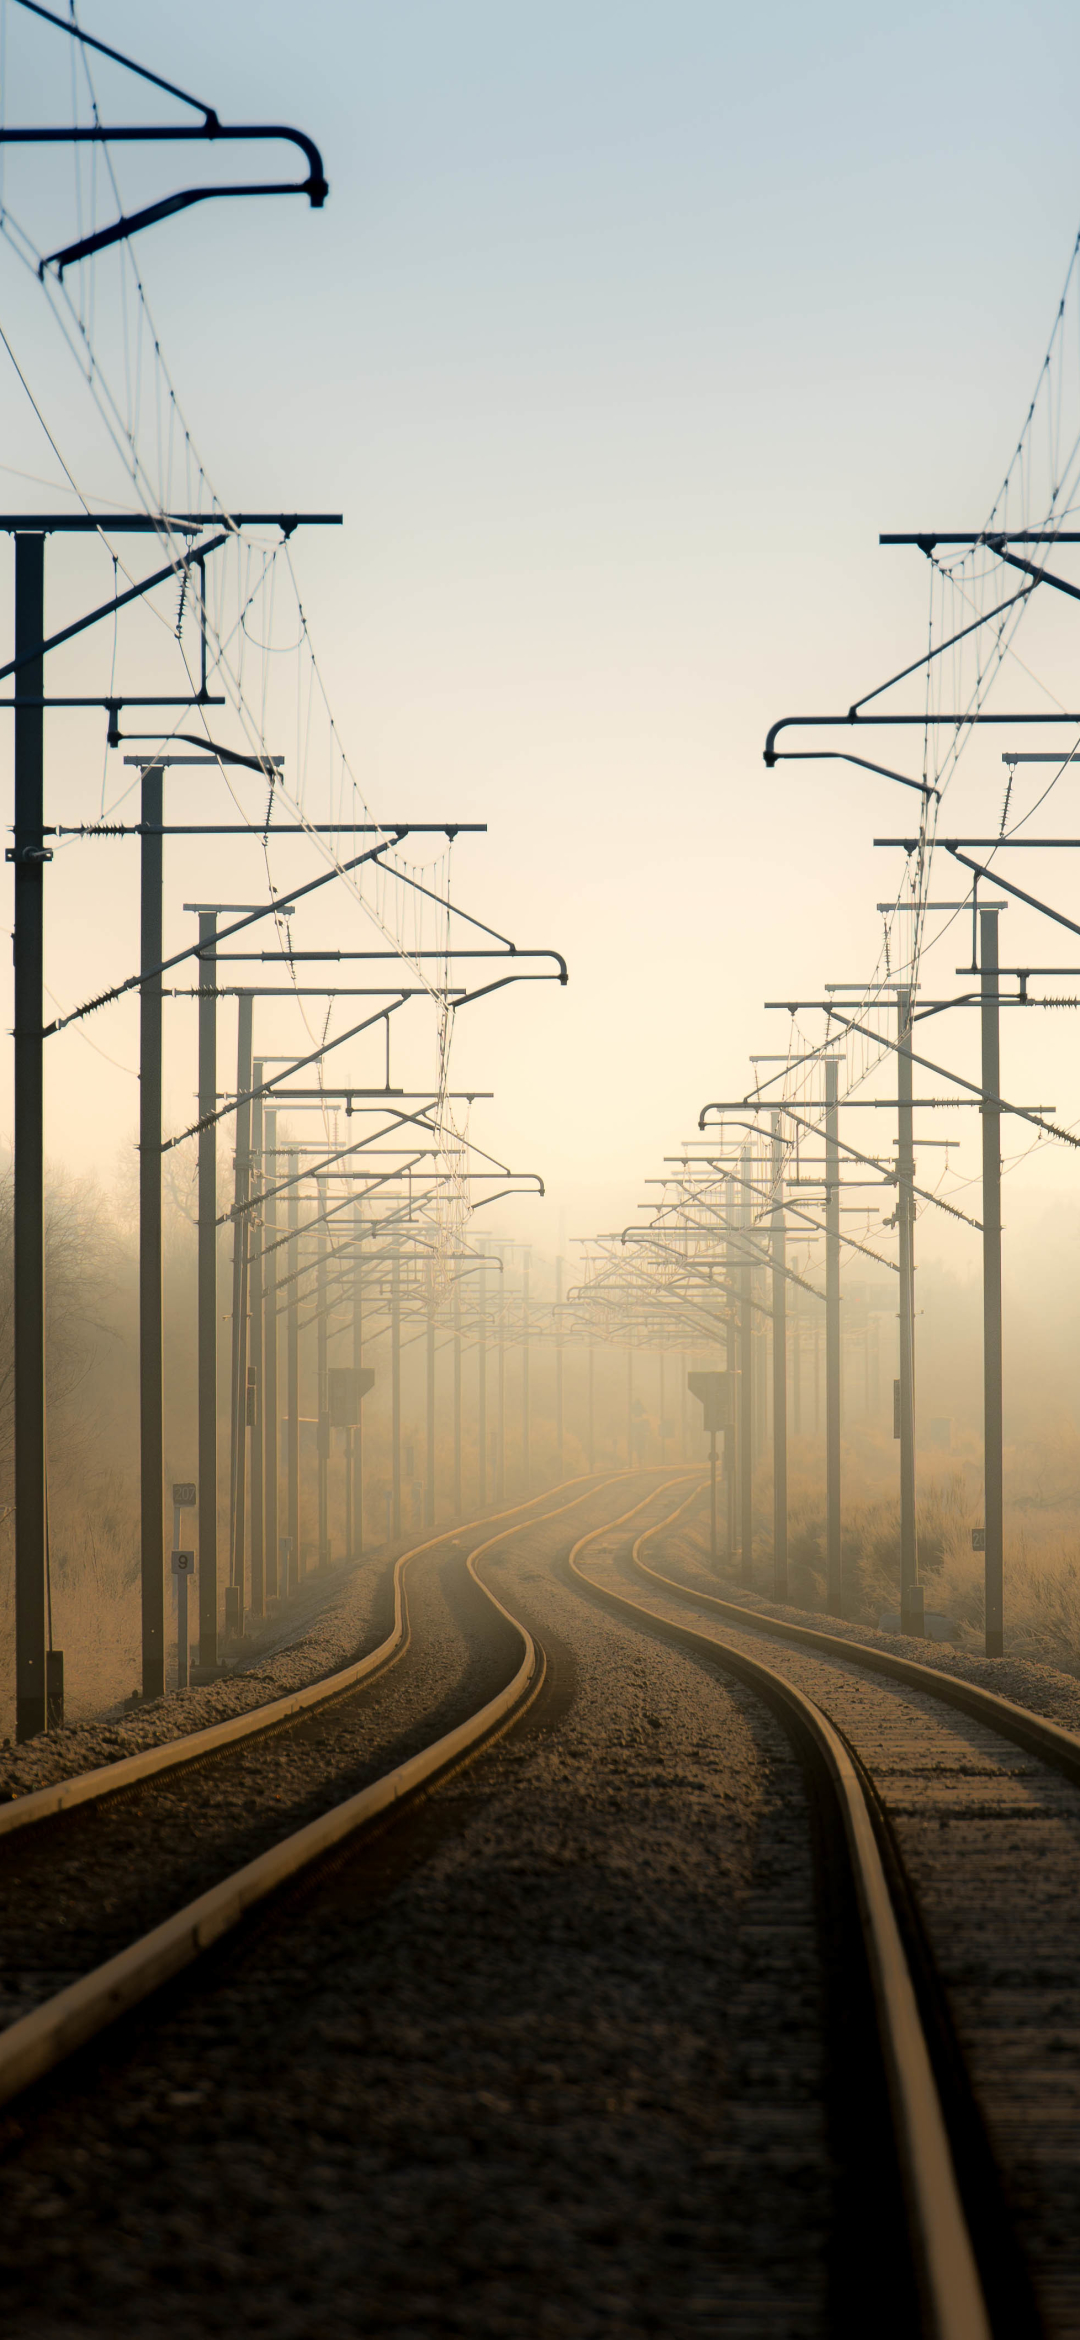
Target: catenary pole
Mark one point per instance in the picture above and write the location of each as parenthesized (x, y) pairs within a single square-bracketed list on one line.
[(558, 1370), (429, 1425), (481, 1389), (357, 1434), (241, 1192), (833, 1560), (207, 1297), (269, 1216), (457, 1399), (991, 1217), (526, 1393), (746, 1405), (910, 1590), (292, 1377), (779, 1368), (151, 1377), (29, 1176), (256, 1239), (395, 1392), (323, 1402), (500, 1453)]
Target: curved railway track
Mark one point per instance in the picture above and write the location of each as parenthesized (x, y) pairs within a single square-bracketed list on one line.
[(63, 2020), (960, 1818)]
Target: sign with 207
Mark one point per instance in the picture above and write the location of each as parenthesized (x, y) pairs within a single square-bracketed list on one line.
[(184, 1494)]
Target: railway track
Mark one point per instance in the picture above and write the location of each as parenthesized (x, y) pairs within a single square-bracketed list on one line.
[(55, 1858), (959, 1818)]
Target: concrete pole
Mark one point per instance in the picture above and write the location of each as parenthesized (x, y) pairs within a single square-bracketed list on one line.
[(746, 1384), (457, 1399), (292, 1377), (241, 1190), (526, 1418), (481, 1393), (833, 1563), (255, 1241), (208, 1299), (731, 1345), (910, 1589), (429, 1475), (151, 1362), (779, 1368), (270, 1362), (559, 1464), (500, 1454), (992, 1337), (592, 1409), (629, 1409), (323, 1403), (28, 1201), (357, 1453), (395, 1396)]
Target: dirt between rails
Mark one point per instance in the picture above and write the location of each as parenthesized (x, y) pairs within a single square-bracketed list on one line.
[(545, 2061), (82, 1885), (990, 1838)]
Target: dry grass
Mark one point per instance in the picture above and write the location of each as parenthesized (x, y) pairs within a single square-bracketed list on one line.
[(1042, 1538)]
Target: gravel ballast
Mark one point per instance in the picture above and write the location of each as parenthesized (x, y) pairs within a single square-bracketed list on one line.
[(547, 2059), (990, 1838)]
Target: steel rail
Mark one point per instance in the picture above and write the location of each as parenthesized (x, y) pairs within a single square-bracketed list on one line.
[(85, 1787), (953, 2301), (1049, 1741), (36, 2043)]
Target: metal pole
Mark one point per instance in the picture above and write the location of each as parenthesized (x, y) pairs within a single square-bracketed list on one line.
[(779, 1368), (731, 1360), (526, 1423), (395, 1394), (712, 1494), (358, 1432), (181, 1607), (833, 1564), (429, 1475), (151, 1364), (29, 1182), (270, 1364), (323, 1428), (241, 1189), (292, 1379), (663, 1417), (559, 1464), (457, 1398), (910, 1590), (255, 1241), (629, 1409), (592, 1409), (746, 1381), (207, 1302), (992, 1350), (500, 1452), (481, 1393)]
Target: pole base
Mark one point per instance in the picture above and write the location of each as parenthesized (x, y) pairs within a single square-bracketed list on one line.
[(234, 1613), (912, 1619), (29, 1719), (995, 1644)]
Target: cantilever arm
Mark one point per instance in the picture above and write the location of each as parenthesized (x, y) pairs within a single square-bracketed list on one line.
[(160, 134), (939, 722)]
